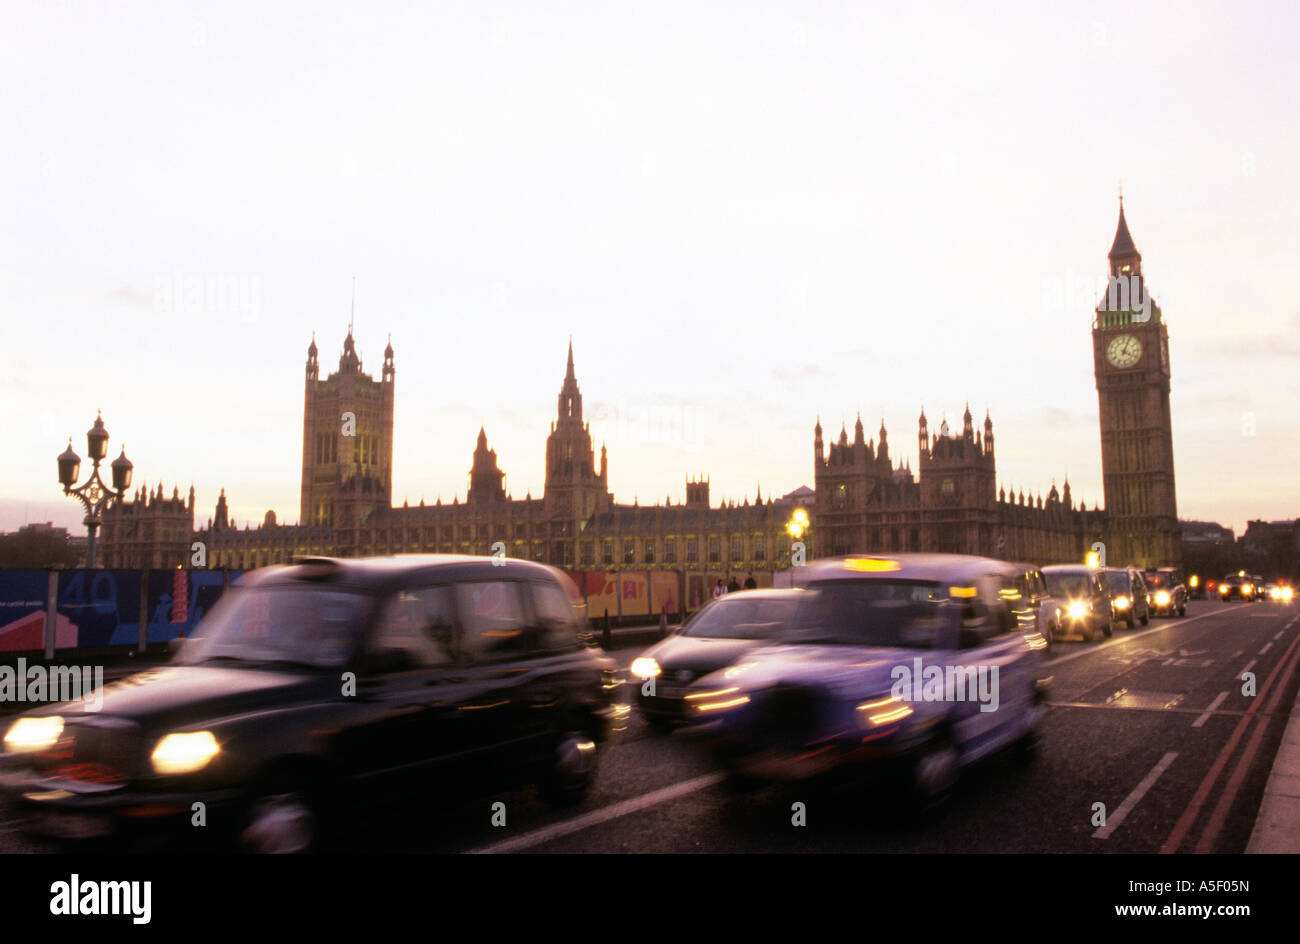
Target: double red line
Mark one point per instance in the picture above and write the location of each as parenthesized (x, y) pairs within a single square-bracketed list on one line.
[(1281, 673)]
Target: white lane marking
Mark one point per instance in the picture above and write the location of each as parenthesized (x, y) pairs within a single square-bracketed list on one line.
[(1267, 647), (1279, 634), (1249, 665), (1120, 640), (596, 817), (1237, 653), (1115, 819), (1218, 700)]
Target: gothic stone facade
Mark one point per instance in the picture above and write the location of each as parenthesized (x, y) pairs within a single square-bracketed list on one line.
[(862, 501)]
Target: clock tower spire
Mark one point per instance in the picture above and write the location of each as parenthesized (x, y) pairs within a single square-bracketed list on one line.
[(1131, 360)]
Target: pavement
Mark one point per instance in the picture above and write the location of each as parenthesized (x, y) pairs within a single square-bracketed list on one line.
[(1277, 827)]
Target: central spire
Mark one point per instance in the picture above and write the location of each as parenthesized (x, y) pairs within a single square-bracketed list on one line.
[(1123, 252), (570, 400)]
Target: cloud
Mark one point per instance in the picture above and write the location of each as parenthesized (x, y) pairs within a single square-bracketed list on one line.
[(802, 372)]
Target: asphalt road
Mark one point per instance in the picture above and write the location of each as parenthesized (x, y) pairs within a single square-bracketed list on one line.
[(1152, 723)]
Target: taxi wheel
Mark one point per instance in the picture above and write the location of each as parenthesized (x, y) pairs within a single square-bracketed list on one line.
[(1182, 609), (281, 821), (1108, 630), (573, 769), (1091, 634), (934, 772), (1146, 618)]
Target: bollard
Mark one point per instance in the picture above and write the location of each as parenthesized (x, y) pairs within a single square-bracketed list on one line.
[(606, 636)]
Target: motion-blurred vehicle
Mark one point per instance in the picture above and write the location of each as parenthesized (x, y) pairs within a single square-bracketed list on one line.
[(1236, 587), (1128, 596), (1282, 593), (915, 662), (327, 687), (1085, 606), (712, 639), (1167, 591), (1031, 586)]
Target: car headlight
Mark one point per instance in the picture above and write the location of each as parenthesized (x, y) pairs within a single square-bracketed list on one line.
[(1246, 588), (185, 753), (1224, 588), (1287, 594), (882, 711), (1162, 598), (1121, 603), (1077, 610), (33, 734), (718, 699), (645, 667)]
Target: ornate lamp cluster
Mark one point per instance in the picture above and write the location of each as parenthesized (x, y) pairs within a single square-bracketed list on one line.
[(94, 494)]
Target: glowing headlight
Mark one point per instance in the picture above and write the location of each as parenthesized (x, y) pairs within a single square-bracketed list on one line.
[(1224, 588), (882, 711), (1275, 594), (1121, 603), (184, 753), (645, 668), (1287, 594), (1162, 598), (1246, 588), (719, 699), (1077, 610), (33, 734)]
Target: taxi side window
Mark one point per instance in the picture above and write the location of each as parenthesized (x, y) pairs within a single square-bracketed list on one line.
[(556, 616), (419, 623), (492, 615)]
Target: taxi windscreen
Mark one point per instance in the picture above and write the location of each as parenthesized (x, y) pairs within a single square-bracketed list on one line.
[(279, 625), (740, 618), (905, 614), (1068, 586)]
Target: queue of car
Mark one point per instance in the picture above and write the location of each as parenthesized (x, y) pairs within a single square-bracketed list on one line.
[(318, 688)]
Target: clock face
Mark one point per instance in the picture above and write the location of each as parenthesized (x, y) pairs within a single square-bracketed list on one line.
[(1124, 351)]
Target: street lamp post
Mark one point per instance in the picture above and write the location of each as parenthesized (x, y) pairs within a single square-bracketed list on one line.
[(94, 495)]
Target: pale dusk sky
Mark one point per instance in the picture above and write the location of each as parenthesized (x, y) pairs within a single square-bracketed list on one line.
[(745, 215)]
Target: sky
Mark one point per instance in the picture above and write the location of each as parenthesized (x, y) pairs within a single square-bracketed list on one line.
[(746, 216)]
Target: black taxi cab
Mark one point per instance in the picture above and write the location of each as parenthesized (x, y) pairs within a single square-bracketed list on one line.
[(326, 687)]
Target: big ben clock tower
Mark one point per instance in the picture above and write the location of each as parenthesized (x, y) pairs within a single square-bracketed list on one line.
[(1131, 356)]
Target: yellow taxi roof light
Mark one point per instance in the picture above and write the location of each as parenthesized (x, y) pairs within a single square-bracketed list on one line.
[(871, 565)]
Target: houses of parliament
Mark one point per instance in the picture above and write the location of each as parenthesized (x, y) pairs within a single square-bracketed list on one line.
[(864, 500)]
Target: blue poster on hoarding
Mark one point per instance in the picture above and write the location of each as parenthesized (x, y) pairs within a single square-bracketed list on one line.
[(23, 597), (102, 607)]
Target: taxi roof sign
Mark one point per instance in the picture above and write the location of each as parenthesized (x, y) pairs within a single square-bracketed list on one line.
[(871, 565)]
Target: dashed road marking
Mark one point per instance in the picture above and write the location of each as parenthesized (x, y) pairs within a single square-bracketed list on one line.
[(1267, 647), (596, 817), (1218, 700), (1114, 821)]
